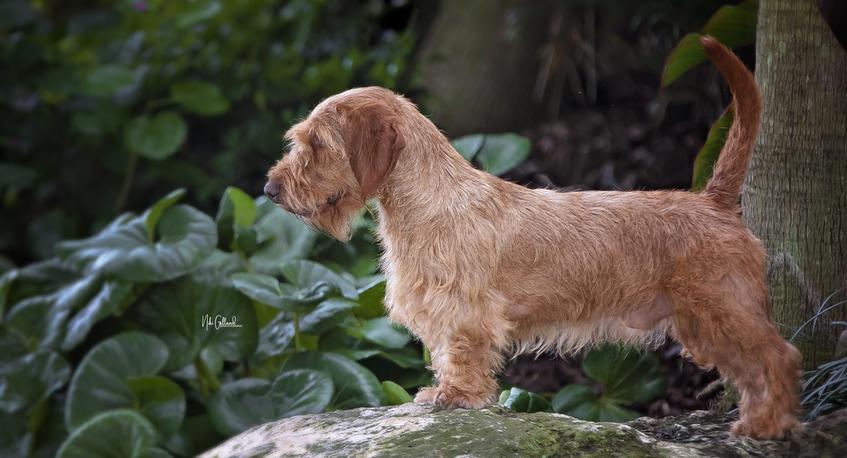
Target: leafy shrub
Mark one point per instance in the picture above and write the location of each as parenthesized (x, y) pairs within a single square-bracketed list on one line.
[(110, 102), (625, 377), (172, 330)]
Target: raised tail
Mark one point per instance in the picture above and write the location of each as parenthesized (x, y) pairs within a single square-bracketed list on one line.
[(728, 176)]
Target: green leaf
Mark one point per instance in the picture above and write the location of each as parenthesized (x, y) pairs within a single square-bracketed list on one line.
[(28, 380), (577, 401), (184, 313), (199, 97), (41, 320), (276, 337), (281, 238), (300, 392), (249, 402), (500, 153), (117, 433), (239, 405), (156, 138), (102, 380), (261, 288), (236, 211), (521, 400), (197, 435), (154, 213), (160, 400), (395, 394), (687, 54), (106, 80), (706, 158), (469, 145), (187, 236), (355, 386), (627, 375), (734, 26), (382, 332), (105, 303), (307, 274), (371, 298)]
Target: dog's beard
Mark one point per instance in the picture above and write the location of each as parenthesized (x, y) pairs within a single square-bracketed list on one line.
[(335, 222)]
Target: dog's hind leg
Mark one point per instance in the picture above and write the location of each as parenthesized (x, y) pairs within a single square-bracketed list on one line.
[(728, 327)]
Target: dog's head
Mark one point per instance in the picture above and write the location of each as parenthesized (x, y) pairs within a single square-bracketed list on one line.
[(339, 157)]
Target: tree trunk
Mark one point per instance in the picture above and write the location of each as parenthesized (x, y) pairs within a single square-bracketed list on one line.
[(479, 63), (795, 197)]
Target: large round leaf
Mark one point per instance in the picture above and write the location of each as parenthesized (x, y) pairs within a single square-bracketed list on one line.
[(300, 392), (196, 435), (104, 380), (156, 138), (275, 338), (382, 332), (160, 400), (355, 385), (502, 152), (188, 316), (469, 145), (249, 402), (281, 238), (199, 97), (103, 304), (627, 375), (240, 404), (27, 380), (186, 237), (118, 433), (307, 275)]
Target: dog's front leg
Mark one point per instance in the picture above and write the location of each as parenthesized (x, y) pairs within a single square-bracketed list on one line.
[(465, 361)]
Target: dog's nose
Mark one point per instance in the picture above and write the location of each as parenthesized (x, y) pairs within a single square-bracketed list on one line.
[(272, 190)]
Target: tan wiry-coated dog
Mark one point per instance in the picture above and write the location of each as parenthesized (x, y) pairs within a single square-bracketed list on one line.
[(478, 267)]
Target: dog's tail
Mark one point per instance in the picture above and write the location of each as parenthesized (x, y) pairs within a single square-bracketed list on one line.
[(725, 185)]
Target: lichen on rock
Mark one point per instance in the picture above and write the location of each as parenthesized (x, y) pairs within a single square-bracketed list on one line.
[(412, 430)]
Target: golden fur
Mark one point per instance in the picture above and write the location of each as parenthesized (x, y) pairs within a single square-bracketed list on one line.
[(479, 267)]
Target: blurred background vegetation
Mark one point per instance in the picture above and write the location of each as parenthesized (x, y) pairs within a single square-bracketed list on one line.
[(109, 106)]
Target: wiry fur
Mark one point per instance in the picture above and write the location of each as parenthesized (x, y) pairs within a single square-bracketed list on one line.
[(478, 267)]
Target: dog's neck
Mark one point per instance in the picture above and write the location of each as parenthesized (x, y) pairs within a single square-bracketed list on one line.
[(429, 162)]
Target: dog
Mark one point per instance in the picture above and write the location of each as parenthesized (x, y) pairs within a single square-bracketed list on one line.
[(478, 267)]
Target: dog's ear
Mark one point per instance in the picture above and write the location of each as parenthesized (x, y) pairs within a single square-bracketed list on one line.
[(373, 144)]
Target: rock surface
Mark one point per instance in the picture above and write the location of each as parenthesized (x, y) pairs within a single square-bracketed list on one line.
[(413, 430)]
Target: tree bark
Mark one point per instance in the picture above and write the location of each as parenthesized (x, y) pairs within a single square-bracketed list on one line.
[(795, 197), (479, 62)]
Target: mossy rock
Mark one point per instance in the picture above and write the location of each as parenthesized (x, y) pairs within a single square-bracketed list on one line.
[(413, 430)]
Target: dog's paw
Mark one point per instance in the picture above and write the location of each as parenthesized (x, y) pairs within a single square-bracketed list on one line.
[(777, 430), (426, 395), (451, 398)]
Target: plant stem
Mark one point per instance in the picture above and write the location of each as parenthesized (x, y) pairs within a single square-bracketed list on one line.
[(205, 375), (297, 346), (126, 185)]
